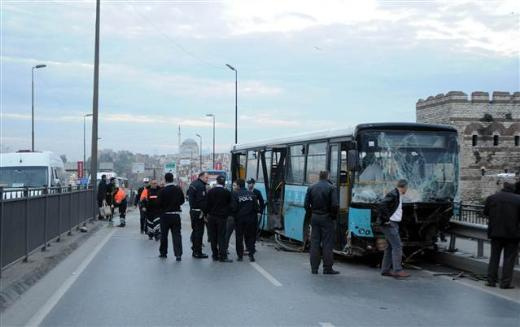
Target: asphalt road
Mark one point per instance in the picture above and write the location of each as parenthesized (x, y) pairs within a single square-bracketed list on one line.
[(118, 280)]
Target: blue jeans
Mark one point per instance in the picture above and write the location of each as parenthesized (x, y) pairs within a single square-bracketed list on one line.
[(394, 251)]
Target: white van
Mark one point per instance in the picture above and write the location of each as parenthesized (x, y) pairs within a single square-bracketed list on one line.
[(31, 169)]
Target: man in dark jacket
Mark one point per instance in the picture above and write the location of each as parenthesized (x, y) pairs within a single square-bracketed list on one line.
[(137, 203), (150, 204), (197, 198), (389, 216), (261, 204), (503, 212), (321, 203), (109, 197), (245, 209), (171, 199), (101, 193), (218, 204)]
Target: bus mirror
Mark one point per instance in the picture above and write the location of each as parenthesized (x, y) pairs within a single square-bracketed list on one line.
[(353, 160)]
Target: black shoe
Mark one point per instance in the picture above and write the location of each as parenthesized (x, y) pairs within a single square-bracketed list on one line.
[(225, 260), (240, 259), (215, 258), (314, 272), (162, 256), (121, 225), (491, 284), (330, 272), (200, 255), (178, 259), (507, 287), (251, 258)]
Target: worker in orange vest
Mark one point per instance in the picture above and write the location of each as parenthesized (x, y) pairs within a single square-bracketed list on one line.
[(121, 202)]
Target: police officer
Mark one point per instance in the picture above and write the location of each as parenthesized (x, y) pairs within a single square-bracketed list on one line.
[(150, 201), (171, 199), (197, 198), (259, 198), (137, 202), (322, 204), (245, 208), (218, 207)]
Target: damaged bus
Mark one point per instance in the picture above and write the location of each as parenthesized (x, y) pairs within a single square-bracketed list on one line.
[(364, 164)]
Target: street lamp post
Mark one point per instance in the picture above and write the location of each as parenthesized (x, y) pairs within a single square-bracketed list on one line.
[(213, 115), (200, 150), (236, 101), (95, 105), (85, 142), (32, 97)]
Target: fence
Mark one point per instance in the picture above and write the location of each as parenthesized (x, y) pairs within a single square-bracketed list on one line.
[(32, 217)]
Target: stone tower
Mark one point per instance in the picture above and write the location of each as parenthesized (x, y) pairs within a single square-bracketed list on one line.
[(489, 136)]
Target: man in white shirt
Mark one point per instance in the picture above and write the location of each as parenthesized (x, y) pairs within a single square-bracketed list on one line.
[(389, 217)]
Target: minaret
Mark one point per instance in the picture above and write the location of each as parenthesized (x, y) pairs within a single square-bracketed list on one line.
[(179, 136)]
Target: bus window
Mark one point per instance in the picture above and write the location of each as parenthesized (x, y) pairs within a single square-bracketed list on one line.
[(295, 172), (316, 161), (242, 166), (267, 155), (252, 165)]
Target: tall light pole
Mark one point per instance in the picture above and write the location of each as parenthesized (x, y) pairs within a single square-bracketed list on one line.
[(32, 97), (213, 115), (200, 151), (85, 142), (236, 101), (95, 102)]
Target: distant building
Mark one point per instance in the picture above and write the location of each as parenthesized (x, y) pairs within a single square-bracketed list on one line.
[(189, 149), (489, 135)]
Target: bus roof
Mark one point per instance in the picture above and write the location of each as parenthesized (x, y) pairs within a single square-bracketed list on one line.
[(340, 133), (30, 159)]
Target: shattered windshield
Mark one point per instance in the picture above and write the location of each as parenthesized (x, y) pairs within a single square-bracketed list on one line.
[(427, 160)]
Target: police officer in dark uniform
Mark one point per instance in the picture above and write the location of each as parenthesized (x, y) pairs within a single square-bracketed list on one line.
[(171, 199), (137, 203), (245, 208), (322, 204), (261, 203), (218, 206), (150, 201), (197, 198)]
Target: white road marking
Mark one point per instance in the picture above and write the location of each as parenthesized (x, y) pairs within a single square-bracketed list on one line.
[(326, 324), (39, 316), (267, 275)]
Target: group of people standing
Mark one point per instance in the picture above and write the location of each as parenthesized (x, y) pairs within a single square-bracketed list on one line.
[(111, 195), (218, 209)]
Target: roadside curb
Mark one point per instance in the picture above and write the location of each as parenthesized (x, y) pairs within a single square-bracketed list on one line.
[(22, 276)]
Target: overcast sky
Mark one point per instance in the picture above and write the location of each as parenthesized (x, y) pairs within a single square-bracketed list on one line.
[(302, 66)]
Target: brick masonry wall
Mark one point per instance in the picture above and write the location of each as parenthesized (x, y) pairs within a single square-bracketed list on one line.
[(484, 117)]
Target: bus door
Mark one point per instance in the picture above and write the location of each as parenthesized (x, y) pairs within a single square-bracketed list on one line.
[(343, 185), (276, 186), (238, 166)]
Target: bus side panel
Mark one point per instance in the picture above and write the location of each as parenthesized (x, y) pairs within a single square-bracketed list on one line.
[(294, 213), (264, 222)]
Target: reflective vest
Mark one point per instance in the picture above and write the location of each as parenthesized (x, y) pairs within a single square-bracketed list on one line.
[(120, 195)]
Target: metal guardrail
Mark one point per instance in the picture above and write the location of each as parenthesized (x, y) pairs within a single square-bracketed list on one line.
[(468, 221), (32, 217)]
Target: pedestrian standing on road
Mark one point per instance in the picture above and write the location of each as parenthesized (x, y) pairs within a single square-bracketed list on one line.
[(261, 204), (171, 198), (230, 224), (102, 193), (137, 203), (503, 212), (150, 202), (245, 209), (218, 207), (109, 197), (120, 202), (389, 216), (321, 203), (197, 199)]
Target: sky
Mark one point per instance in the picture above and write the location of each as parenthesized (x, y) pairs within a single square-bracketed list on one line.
[(302, 65)]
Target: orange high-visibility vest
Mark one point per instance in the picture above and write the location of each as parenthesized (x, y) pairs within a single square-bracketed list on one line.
[(144, 194), (120, 195)]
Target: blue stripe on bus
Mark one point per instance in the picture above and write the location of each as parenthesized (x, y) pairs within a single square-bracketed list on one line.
[(294, 213)]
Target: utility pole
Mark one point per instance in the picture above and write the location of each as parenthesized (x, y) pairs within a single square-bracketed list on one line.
[(95, 102)]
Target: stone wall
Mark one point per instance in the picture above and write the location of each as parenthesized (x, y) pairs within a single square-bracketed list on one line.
[(492, 122)]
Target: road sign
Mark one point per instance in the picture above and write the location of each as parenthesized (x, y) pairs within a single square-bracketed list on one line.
[(185, 162), (170, 167)]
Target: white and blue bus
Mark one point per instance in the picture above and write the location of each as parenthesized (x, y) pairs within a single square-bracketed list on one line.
[(364, 163)]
